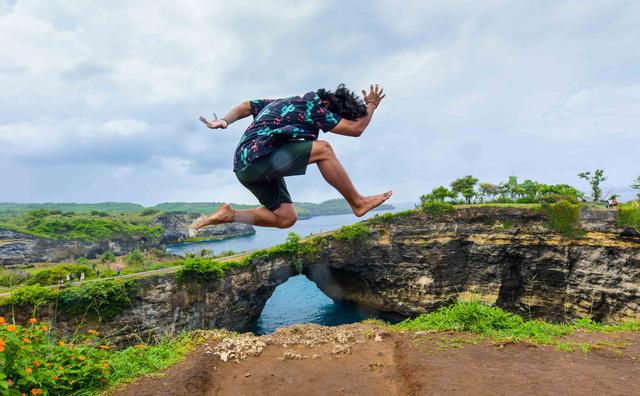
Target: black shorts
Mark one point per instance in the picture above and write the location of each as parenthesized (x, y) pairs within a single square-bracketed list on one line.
[(264, 177)]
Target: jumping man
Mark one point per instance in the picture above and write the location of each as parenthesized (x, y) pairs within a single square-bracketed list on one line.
[(282, 140)]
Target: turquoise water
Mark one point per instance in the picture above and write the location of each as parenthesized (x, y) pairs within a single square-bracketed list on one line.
[(298, 300)]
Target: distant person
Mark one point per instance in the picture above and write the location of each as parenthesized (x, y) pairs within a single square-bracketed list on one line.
[(81, 276), (118, 270), (282, 140), (97, 273), (71, 277)]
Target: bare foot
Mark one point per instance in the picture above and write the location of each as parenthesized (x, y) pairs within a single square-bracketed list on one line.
[(370, 202), (224, 214)]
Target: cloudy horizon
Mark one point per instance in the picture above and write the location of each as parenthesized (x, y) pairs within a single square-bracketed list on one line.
[(100, 100)]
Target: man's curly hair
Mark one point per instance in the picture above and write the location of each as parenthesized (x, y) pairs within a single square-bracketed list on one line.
[(344, 102)]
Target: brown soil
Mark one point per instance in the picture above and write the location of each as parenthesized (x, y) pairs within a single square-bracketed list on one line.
[(367, 360)]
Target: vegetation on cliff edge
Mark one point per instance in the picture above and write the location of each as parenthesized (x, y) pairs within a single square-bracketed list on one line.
[(629, 215), (493, 322), (34, 361)]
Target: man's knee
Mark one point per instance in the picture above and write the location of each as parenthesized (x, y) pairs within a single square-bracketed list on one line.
[(287, 220), (286, 215), (324, 148)]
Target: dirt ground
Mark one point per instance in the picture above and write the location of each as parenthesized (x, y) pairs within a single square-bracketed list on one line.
[(368, 360)]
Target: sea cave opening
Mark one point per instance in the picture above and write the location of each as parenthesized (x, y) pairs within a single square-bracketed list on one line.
[(299, 300)]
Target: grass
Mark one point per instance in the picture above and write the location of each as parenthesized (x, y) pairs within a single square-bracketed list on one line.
[(494, 323)]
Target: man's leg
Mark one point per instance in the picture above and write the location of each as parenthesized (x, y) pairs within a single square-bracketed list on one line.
[(283, 217), (335, 174)]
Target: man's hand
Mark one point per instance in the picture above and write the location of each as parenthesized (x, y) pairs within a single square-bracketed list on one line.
[(374, 96), (214, 124)]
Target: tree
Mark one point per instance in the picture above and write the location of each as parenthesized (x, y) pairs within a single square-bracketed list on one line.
[(594, 179), (439, 193), (488, 190), (510, 187), (636, 185), (464, 186)]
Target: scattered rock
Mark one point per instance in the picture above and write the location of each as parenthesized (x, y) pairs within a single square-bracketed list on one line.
[(239, 348), (291, 355)]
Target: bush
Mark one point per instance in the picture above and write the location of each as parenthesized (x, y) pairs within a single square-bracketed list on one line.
[(564, 217), (135, 258), (437, 209), (9, 278), (107, 257), (354, 232), (629, 215), (200, 268), (33, 296), (149, 212), (50, 275), (32, 363), (103, 299)]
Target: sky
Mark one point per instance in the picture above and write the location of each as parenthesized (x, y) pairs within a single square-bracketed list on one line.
[(99, 100)]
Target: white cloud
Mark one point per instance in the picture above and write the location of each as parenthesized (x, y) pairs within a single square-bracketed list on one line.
[(111, 91)]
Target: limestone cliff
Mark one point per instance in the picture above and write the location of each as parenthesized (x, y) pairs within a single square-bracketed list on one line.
[(505, 256)]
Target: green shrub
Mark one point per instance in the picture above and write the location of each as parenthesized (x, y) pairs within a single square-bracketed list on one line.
[(200, 268), (564, 217), (33, 363), (355, 232), (12, 277), (33, 296), (107, 257), (82, 261), (437, 209), (135, 258), (629, 215), (103, 299), (149, 212)]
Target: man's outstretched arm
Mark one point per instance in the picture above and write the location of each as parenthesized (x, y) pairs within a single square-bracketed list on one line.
[(355, 128), (237, 113)]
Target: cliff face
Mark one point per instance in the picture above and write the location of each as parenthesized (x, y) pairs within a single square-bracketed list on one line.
[(164, 306), (175, 228), (504, 256), (18, 248)]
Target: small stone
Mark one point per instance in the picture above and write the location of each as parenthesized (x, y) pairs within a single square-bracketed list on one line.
[(247, 375), (315, 356)]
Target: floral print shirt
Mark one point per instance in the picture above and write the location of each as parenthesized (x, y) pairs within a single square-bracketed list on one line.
[(279, 121)]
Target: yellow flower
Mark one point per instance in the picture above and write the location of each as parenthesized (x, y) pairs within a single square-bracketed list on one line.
[(33, 321), (37, 363), (141, 346), (81, 358), (11, 328), (61, 343), (36, 391), (61, 368), (2, 344), (25, 340), (106, 372), (45, 328), (28, 370), (91, 331), (104, 346), (2, 320)]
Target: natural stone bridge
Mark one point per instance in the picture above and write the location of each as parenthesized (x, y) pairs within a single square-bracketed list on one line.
[(411, 263)]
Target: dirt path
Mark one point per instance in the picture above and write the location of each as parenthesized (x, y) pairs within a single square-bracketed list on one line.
[(367, 360)]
